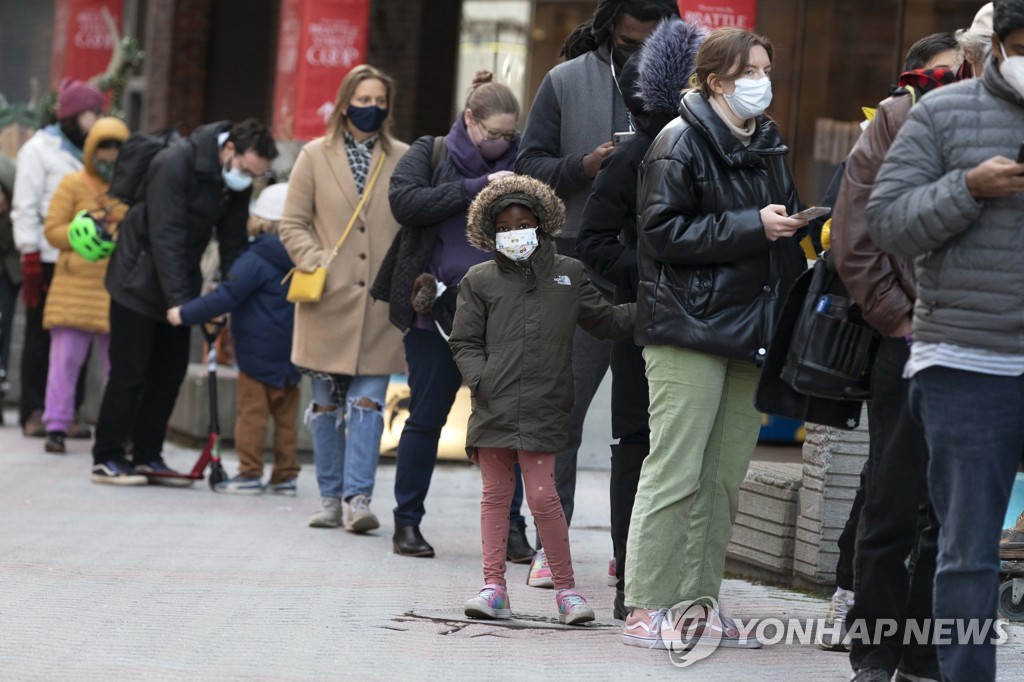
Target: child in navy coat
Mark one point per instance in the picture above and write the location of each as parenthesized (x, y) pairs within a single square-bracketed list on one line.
[(261, 322)]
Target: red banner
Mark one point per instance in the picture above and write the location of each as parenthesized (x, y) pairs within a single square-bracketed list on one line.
[(82, 42), (320, 42), (715, 14)]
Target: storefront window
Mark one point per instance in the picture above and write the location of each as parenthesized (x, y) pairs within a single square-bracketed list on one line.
[(494, 37)]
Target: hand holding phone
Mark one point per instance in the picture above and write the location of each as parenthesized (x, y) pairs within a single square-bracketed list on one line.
[(620, 138), (812, 212)]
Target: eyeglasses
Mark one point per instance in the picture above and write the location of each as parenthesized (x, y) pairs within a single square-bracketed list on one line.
[(498, 134)]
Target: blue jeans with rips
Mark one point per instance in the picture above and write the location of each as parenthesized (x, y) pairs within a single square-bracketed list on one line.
[(346, 441), (975, 433)]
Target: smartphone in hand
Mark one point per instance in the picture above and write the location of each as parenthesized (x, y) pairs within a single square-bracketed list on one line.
[(812, 212), (619, 138)]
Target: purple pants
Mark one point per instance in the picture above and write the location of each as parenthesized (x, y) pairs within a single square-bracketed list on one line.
[(69, 349)]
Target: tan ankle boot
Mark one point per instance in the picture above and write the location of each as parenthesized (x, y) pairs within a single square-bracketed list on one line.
[(329, 514)]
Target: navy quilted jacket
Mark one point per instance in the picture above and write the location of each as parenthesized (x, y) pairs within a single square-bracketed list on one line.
[(262, 318)]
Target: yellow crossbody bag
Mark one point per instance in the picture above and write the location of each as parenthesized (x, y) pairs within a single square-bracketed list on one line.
[(308, 287)]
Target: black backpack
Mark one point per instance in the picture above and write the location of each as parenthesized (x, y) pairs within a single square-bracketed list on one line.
[(133, 161)]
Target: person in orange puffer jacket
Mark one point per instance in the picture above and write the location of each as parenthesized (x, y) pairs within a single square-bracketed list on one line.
[(77, 308)]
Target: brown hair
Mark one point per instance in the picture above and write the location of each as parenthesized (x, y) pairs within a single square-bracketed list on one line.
[(336, 126), (722, 49), (486, 98)]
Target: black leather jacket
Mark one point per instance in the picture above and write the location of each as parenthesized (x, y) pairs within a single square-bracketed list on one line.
[(710, 280)]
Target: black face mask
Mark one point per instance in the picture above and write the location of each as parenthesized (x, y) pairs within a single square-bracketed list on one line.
[(622, 53), (69, 127)]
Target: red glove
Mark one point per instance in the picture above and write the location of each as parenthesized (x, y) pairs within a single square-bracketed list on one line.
[(33, 286)]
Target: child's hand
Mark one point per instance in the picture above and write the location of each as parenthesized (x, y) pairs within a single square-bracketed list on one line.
[(174, 316)]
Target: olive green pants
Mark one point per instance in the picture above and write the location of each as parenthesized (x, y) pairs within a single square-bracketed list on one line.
[(703, 431)]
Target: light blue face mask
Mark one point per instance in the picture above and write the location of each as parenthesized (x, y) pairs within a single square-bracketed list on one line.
[(236, 180)]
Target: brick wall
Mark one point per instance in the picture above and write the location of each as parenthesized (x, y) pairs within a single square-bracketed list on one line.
[(832, 463)]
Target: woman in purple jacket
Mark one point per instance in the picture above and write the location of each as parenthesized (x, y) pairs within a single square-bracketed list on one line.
[(431, 190)]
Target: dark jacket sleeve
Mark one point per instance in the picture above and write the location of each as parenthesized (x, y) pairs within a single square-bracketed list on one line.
[(414, 199), (231, 231), (673, 229), (540, 149), (241, 281), (865, 269), (612, 204), (467, 340), (600, 318), (916, 206), (167, 188)]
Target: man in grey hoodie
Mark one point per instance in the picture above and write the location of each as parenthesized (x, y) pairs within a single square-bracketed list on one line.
[(950, 196), (568, 135)]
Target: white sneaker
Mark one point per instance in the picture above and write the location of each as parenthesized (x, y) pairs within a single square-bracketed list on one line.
[(832, 637)]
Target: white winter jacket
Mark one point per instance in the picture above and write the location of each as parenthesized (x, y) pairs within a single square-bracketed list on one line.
[(43, 162)]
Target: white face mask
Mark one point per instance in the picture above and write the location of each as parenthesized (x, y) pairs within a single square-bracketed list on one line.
[(750, 98), (517, 244), (236, 180), (1012, 69)]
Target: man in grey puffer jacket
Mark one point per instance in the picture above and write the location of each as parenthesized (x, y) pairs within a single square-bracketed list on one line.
[(950, 196), (568, 135)]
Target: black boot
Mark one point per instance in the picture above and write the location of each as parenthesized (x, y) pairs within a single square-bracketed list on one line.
[(518, 550), (407, 541), (619, 606)]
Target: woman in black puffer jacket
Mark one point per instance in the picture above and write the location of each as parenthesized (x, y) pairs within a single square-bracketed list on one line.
[(717, 255)]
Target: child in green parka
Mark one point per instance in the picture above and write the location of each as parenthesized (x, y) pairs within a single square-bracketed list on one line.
[(512, 340)]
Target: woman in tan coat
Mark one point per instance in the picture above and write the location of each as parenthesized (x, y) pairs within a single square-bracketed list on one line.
[(77, 306), (344, 341)]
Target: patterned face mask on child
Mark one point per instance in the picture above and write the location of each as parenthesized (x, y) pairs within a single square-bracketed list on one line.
[(517, 244)]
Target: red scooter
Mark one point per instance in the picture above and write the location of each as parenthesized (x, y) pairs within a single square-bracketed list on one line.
[(210, 455)]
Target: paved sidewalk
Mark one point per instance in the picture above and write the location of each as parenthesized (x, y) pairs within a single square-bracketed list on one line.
[(101, 583)]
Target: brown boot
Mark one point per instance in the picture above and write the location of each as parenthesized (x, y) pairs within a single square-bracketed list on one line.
[(34, 426), (79, 430)]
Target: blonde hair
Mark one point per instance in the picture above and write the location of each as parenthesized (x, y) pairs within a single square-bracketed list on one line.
[(337, 124), (257, 226)]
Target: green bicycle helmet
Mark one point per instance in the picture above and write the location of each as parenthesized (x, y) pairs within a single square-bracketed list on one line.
[(89, 238)]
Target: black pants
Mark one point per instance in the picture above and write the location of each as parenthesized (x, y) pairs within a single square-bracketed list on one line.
[(35, 355), (848, 538), (895, 490), (590, 358), (631, 425), (8, 302), (148, 361), (35, 359)]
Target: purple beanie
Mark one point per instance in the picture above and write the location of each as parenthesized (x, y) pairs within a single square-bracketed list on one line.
[(74, 97)]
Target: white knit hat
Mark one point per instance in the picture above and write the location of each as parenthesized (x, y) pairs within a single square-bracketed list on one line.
[(270, 203), (982, 25)]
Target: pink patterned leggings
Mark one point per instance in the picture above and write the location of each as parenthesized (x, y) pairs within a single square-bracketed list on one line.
[(497, 468)]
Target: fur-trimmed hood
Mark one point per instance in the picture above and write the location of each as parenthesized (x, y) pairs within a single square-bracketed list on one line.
[(666, 63), (514, 189)]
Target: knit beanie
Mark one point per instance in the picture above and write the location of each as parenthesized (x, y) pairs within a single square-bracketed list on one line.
[(269, 205), (74, 97)]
